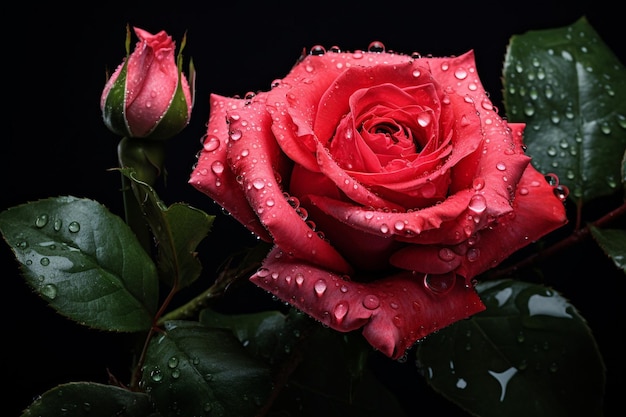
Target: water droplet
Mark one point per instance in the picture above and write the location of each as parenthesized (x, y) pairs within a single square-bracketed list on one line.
[(340, 311), (440, 283), (477, 203), (552, 179), (258, 183), (472, 254), (460, 73), (446, 254), (424, 119), (217, 167), (529, 109), (49, 290), (554, 367), (41, 220), (371, 302), (376, 46), (320, 287), (398, 320), (262, 272), (156, 375), (561, 191), (317, 50), (211, 144), (235, 134), (299, 279), (172, 362), (44, 261), (73, 227), (605, 128), (478, 183)]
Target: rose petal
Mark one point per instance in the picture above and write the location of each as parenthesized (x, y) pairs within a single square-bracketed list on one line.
[(536, 212), (259, 164), (394, 312), (212, 175), (152, 78)]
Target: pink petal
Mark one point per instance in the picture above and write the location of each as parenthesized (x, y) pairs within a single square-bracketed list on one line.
[(259, 166), (394, 311), (212, 175)]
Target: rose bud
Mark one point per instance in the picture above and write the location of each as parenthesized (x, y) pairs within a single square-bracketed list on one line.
[(386, 183), (148, 96)]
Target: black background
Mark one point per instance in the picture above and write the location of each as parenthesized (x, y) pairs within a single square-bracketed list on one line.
[(54, 71)]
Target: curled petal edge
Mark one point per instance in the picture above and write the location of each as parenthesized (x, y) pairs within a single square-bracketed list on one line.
[(394, 312)]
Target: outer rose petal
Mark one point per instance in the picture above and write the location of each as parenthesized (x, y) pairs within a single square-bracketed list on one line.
[(394, 312), (211, 174)]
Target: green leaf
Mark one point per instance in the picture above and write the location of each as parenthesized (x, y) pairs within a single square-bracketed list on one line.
[(188, 227), (331, 378), (84, 261), (613, 242), (570, 90), (87, 399), (191, 370), (261, 333), (529, 353), (178, 230)]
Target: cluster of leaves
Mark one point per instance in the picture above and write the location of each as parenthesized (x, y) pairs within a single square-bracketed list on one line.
[(195, 361)]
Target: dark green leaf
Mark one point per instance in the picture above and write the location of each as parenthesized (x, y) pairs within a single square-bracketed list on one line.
[(613, 242), (570, 90), (188, 227), (178, 230), (86, 399), (331, 379), (84, 261), (529, 353), (191, 370), (261, 333)]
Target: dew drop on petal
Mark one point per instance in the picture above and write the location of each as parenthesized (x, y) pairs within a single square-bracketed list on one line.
[(478, 183), (398, 320), (320, 287), (299, 279), (340, 311), (472, 254), (477, 203), (440, 283), (446, 254), (460, 73), (371, 302), (217, 167)]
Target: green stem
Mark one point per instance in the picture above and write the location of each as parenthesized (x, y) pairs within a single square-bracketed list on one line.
[(146, 158), (191, 308), (134, 215)]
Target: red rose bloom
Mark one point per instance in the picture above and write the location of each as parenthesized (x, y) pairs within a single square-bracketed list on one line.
[(386, 183), (148, 96)]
